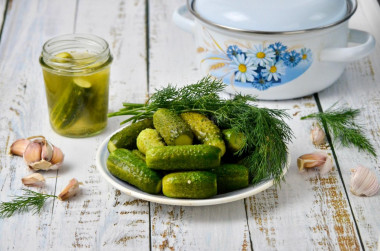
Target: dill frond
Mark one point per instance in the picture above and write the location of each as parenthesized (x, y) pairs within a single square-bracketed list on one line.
[(30, 200), (341, 123)]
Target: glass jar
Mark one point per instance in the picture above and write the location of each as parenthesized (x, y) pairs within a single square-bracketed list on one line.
[(76, 69)]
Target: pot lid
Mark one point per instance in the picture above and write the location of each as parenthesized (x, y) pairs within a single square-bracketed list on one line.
[(268, 16)]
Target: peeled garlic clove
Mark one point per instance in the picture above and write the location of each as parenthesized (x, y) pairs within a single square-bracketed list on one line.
[(18, 147), (70, 190), (318, 136), (47, 151), (57, 157), (311, 160), (364, 182), (32, 153), (34, 180)]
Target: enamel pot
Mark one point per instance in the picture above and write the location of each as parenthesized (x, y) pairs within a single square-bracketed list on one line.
[(274, 49)]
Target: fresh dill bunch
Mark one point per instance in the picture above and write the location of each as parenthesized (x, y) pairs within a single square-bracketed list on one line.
[(30, 200), (265, 150), (340, 122)]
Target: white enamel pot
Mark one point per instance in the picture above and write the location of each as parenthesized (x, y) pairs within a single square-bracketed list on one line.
[(277, 63)]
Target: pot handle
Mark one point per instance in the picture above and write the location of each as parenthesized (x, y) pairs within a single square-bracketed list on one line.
[(366, 44), (181, 21)]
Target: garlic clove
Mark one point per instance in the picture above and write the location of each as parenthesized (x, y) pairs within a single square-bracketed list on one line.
[(364, 182), (40, 165), (318, 136), (311, 160), (34, 180), (327, 166), (47, 151), (32, 153), (57, 157), (70, 190), (18, 147)]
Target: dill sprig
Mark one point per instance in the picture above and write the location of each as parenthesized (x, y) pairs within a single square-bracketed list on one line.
[(340, 122), (265, 151), (29, 201)]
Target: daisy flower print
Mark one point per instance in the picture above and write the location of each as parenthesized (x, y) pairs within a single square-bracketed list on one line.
[(244, 68), (273, 71), (261, 56), (306, 55)]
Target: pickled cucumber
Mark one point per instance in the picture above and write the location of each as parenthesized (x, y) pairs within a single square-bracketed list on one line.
[(231, 177), (190, 185), (126, 166), (204, 130), (189, 157), (126, 138), (234, 140), (69, 107), (147, 139), (138, 154), (172, 128)]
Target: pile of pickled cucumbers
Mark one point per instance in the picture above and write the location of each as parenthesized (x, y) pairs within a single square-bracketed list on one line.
[(194, 144), (179, 155)]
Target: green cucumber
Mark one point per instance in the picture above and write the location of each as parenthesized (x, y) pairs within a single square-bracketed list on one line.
[(231, 177), (189, 157), (172, 128), (68, 108), (190, 185), (234, 140), (126, 166), (147, 139), (205, 130), (126, 138)]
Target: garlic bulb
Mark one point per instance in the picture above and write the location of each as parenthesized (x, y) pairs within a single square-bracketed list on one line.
[(38, 153), (70, 190), (317, 134), (34, 180), (363, 182), (320, 160)]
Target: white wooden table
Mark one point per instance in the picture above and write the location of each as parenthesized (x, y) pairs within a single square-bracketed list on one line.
[(308, 212)]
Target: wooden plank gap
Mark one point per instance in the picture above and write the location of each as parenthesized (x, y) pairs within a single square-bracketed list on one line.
[(147, 45), (76, 16), (54, 198), (329, 140), (4, 18), (246, 216)]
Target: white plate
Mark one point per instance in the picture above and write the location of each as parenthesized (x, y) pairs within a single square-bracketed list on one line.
[(101, 163)]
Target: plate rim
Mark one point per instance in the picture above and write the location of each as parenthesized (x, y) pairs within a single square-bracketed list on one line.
[(161, 199)]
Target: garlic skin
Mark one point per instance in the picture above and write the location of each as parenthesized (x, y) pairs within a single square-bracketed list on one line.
[(18, 147), (70, 190), (317, 134), (34, 180), (47, 151), (32, 153), (57, 157), (321, 160), (363, 182)]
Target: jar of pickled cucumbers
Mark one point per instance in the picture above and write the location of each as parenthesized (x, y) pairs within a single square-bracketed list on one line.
[(76, 69)]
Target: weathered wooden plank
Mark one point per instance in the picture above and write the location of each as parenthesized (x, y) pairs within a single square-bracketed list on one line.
[(358, 88), (101, 217), (309, 211), (23, 109), (224, 227)]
